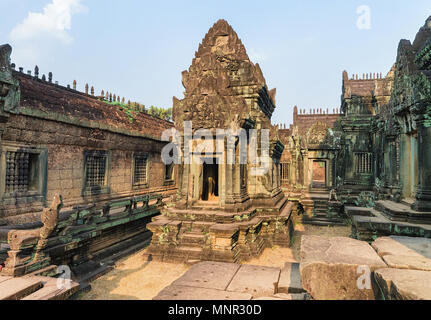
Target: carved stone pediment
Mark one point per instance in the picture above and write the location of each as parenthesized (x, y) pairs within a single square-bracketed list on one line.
[(222, 85)]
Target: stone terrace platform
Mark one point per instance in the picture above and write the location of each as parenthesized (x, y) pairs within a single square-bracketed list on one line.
[(388, 218), (230, 281)]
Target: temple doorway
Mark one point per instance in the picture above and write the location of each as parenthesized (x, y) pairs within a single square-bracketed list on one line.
[(319, 174), (210, 183)]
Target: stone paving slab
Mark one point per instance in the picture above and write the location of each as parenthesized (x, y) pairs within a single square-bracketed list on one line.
[(408, 262), (256, 280), (419, 245), (211, 275), (404, 252), (399, 284), (395, 246), (176, 292)]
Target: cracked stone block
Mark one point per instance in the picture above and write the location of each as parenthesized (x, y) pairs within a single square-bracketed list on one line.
[(399, 284), (404, 252), (256, 280), (338, 268)]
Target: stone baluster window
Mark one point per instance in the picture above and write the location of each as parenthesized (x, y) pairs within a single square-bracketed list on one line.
[(363, 161), (284, 171), (96, 172), (140, 170), (23, 173)]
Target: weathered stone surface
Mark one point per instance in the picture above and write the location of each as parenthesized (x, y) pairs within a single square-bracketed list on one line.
[(408, 262), (419, 245), (212, 275), (17, 288), (290, 279), (330, 267), (397, 246), (404, 252), (50, 290), (175, 292), (256, 280), (397, 284)]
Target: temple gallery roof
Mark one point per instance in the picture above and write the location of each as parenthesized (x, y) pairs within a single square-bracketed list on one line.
[(50, 101)]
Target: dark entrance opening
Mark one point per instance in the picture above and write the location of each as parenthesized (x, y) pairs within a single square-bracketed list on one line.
[(210, 182), (319, 174)]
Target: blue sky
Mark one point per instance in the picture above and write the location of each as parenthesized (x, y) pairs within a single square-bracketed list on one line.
[(138, 48)]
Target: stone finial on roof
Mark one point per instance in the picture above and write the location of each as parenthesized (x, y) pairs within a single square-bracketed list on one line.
[(13, 65), (345, 75), (122, 100), (50, 77), (107, 96), (36, 72), (92, 90), (86, 88), (115, 98), (118, 98), (102, 93), (43, 78), (128, 102), (74, 84), (110, 97)]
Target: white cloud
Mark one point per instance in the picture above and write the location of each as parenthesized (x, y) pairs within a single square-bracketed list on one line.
[(55, 21)]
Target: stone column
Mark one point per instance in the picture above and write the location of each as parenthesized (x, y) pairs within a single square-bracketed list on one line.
[(423, 195), (404, 164)]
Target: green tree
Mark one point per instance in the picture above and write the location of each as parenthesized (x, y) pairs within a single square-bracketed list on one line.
[(161, 113)]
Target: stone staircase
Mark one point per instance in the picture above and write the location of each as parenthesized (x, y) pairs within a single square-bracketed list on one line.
[(319, 207)]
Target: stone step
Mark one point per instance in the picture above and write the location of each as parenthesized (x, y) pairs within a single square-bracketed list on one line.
[(323, 222), (192, 262), (50, 271), (367, 228), (190, 253), (201, 226), (192, 239), (290, 279), (18, 288), (51, 290)]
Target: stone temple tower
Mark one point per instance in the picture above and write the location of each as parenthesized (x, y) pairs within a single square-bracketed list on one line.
[(229, 203)]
